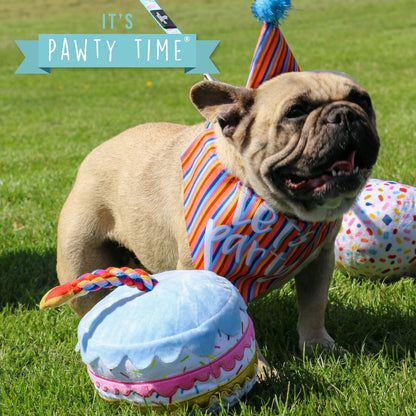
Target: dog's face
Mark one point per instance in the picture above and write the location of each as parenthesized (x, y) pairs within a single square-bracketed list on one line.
[(306, 142)]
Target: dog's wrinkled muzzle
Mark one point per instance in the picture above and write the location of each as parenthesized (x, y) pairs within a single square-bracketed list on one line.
[(338, 152)]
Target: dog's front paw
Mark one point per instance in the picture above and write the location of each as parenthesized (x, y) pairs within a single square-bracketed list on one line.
[(316, 341), (325, 342)]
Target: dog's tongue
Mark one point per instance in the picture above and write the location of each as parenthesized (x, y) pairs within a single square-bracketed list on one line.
[(344, 165), (315, 182)]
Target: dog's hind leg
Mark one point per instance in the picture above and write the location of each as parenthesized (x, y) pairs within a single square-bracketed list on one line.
[(84, 246)]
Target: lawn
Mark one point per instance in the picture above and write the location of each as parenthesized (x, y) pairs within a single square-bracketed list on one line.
[(48, 123)]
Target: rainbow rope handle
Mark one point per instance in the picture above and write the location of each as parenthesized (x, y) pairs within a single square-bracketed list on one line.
[(98, 279)]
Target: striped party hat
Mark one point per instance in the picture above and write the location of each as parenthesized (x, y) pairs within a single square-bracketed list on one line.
[(272, 55)]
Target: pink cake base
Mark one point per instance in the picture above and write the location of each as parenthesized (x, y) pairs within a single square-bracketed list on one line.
[(167, 387)]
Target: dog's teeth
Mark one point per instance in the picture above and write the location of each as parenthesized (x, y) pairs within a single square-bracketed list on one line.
[(344, 173), (336, 173)]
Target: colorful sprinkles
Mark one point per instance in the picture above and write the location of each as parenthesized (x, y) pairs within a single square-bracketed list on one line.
[(377, 238)]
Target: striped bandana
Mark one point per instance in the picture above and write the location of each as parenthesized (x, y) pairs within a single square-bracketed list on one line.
[(233, 232)]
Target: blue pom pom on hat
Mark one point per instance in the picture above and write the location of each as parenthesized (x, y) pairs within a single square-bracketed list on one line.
[(270, 11)]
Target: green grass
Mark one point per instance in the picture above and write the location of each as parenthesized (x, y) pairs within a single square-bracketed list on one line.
[(49, 123)]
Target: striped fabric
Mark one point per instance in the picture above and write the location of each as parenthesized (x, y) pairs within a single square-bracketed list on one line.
[(233, 232), (272, 56)]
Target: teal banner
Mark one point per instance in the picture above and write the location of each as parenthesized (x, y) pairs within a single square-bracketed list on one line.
[(116, 51)]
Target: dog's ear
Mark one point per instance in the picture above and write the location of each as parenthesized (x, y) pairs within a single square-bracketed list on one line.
[(222, 103)]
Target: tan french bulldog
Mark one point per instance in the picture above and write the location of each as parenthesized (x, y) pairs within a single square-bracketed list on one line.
[(305, 143)]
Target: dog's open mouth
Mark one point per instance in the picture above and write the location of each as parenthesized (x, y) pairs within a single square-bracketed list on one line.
[(343, 176), (338, 171)]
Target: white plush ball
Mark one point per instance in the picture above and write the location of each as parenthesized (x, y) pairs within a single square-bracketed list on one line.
[(378, 235)]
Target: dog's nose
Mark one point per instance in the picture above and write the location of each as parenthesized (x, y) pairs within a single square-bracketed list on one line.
[(341, 115)]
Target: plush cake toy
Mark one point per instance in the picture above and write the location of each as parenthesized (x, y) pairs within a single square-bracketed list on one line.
[(180, 339), (378, 235)]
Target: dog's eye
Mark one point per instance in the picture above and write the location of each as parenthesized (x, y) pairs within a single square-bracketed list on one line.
[(361, 99), (365, 103), (296, 111)]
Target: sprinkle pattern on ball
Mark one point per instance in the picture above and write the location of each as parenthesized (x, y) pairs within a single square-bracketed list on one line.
[(377, 238)]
